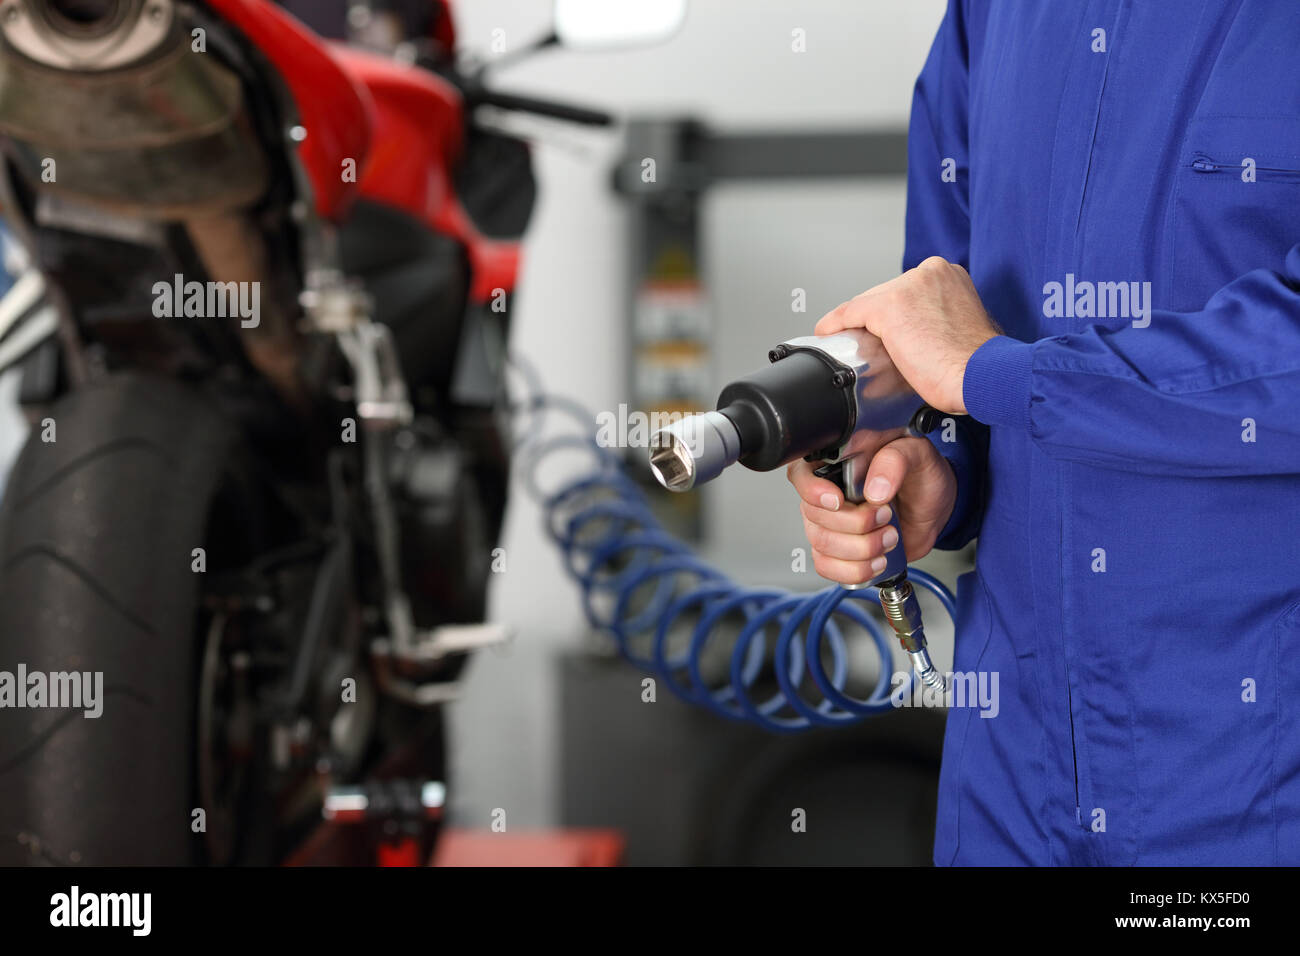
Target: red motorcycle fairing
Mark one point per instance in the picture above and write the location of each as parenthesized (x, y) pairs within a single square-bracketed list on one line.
[(402, 127), (333, 107), (418, 140)]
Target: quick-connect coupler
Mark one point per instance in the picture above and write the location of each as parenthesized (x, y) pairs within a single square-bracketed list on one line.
[(903, 611)]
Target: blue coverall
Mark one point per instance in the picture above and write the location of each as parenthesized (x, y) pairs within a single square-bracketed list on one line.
[(1132, 474)]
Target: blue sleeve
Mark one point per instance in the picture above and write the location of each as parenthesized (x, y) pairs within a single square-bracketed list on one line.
[(1207, 393), (938, 224), (964, 443)]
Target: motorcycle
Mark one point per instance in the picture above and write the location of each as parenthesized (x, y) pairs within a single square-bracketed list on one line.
[(262, 343)]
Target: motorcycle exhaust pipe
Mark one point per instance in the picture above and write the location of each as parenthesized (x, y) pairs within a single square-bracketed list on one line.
[(103, 102), (86, 35)]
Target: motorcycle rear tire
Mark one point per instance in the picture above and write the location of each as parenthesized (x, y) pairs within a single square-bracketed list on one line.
[(97, 535)]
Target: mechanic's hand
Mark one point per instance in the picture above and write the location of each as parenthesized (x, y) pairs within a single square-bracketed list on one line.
[(931, 320), (848, 540)]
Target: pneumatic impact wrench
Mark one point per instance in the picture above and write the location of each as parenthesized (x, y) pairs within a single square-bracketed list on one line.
[(832, 399)]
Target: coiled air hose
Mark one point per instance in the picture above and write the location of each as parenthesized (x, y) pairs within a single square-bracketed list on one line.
[(780, 659)]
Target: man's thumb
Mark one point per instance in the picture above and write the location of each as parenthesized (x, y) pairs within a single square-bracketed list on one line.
[(891, 466)]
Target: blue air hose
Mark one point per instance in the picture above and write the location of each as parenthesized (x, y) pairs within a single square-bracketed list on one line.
[(677, 617)]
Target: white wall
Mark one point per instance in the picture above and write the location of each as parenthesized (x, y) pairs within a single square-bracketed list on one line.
[(731, 65)]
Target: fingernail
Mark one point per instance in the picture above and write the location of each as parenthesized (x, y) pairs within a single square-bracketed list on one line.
[(879, 565), (878, 488), (830, 503), (883, 516), (889, 538)]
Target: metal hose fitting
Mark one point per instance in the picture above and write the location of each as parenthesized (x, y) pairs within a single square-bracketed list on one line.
[(903, 611)]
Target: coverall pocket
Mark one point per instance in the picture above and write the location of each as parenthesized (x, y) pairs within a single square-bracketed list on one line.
[(1236, 203)]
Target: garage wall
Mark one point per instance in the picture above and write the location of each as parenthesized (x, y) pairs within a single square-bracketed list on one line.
[(732, 66)]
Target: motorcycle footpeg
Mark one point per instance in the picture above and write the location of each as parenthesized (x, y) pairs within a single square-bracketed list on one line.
[(409, 672)]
